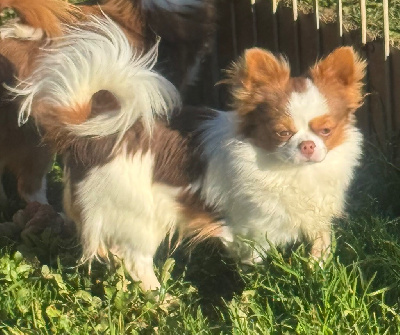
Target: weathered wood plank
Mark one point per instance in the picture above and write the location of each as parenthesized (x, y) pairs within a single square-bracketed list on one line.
[(266, 25), (379, 106), (308, 41), (395, 89), (288, 39), (226, 45), (244, 25), (330, 38)]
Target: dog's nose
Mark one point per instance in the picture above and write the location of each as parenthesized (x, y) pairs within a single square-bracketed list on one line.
[(307, 148)]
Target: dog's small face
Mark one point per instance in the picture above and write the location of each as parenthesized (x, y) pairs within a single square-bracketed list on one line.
[(298, 119)]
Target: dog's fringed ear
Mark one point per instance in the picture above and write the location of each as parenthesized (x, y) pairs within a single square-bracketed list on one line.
[(342, 69), (255, 77), (261, 67)]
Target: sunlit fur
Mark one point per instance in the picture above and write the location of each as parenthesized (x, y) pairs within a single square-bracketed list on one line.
[(259, 180)]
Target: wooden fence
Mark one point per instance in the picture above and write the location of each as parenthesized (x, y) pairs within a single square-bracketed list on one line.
[(304, 38)]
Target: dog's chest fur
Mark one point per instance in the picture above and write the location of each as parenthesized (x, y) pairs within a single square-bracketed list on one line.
[(262, 197), (121, 205)]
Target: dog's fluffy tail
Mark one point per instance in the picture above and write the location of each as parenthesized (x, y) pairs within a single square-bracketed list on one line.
[(92, 83), (186, 28), (48, 15)]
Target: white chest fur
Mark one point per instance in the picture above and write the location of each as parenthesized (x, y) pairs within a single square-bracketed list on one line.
[(119, 208)]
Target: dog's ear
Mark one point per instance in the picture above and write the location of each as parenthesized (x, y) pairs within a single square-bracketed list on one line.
[(343, 65), (261, 67), (258, 77), (342, 70)]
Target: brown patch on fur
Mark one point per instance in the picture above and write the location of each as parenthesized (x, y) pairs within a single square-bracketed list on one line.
[(339, 78), (263, 124), (48, 15), (22, 54), (187, 122), (201, 221), (176, 163), (127, 14), (336, 126)]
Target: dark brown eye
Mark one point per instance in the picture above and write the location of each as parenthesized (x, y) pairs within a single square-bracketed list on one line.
[(325, 132), (285, 133)]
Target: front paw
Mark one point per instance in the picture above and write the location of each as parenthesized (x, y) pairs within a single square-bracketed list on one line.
[(321, 248)]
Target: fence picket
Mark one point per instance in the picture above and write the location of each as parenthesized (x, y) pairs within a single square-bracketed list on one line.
[(316, 12), (340, 17), (266, 25), (363, 11), (386, 27)]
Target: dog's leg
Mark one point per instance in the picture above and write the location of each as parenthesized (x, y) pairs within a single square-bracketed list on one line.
[(33, 189), (31, 178), (321, 247), (141, 268)]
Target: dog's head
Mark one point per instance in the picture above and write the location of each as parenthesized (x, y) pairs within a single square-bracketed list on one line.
[(299, 119)]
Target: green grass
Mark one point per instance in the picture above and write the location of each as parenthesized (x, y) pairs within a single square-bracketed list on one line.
[(43, 291), (352, 15)]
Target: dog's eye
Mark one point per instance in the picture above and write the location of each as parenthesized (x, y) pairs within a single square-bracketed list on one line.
[(285, 133), (325, 132)]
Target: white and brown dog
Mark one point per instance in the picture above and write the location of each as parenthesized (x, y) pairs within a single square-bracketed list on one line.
[(278, 166), (127, 175)]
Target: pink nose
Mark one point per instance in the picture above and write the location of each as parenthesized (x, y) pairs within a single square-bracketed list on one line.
[(307, 148)]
